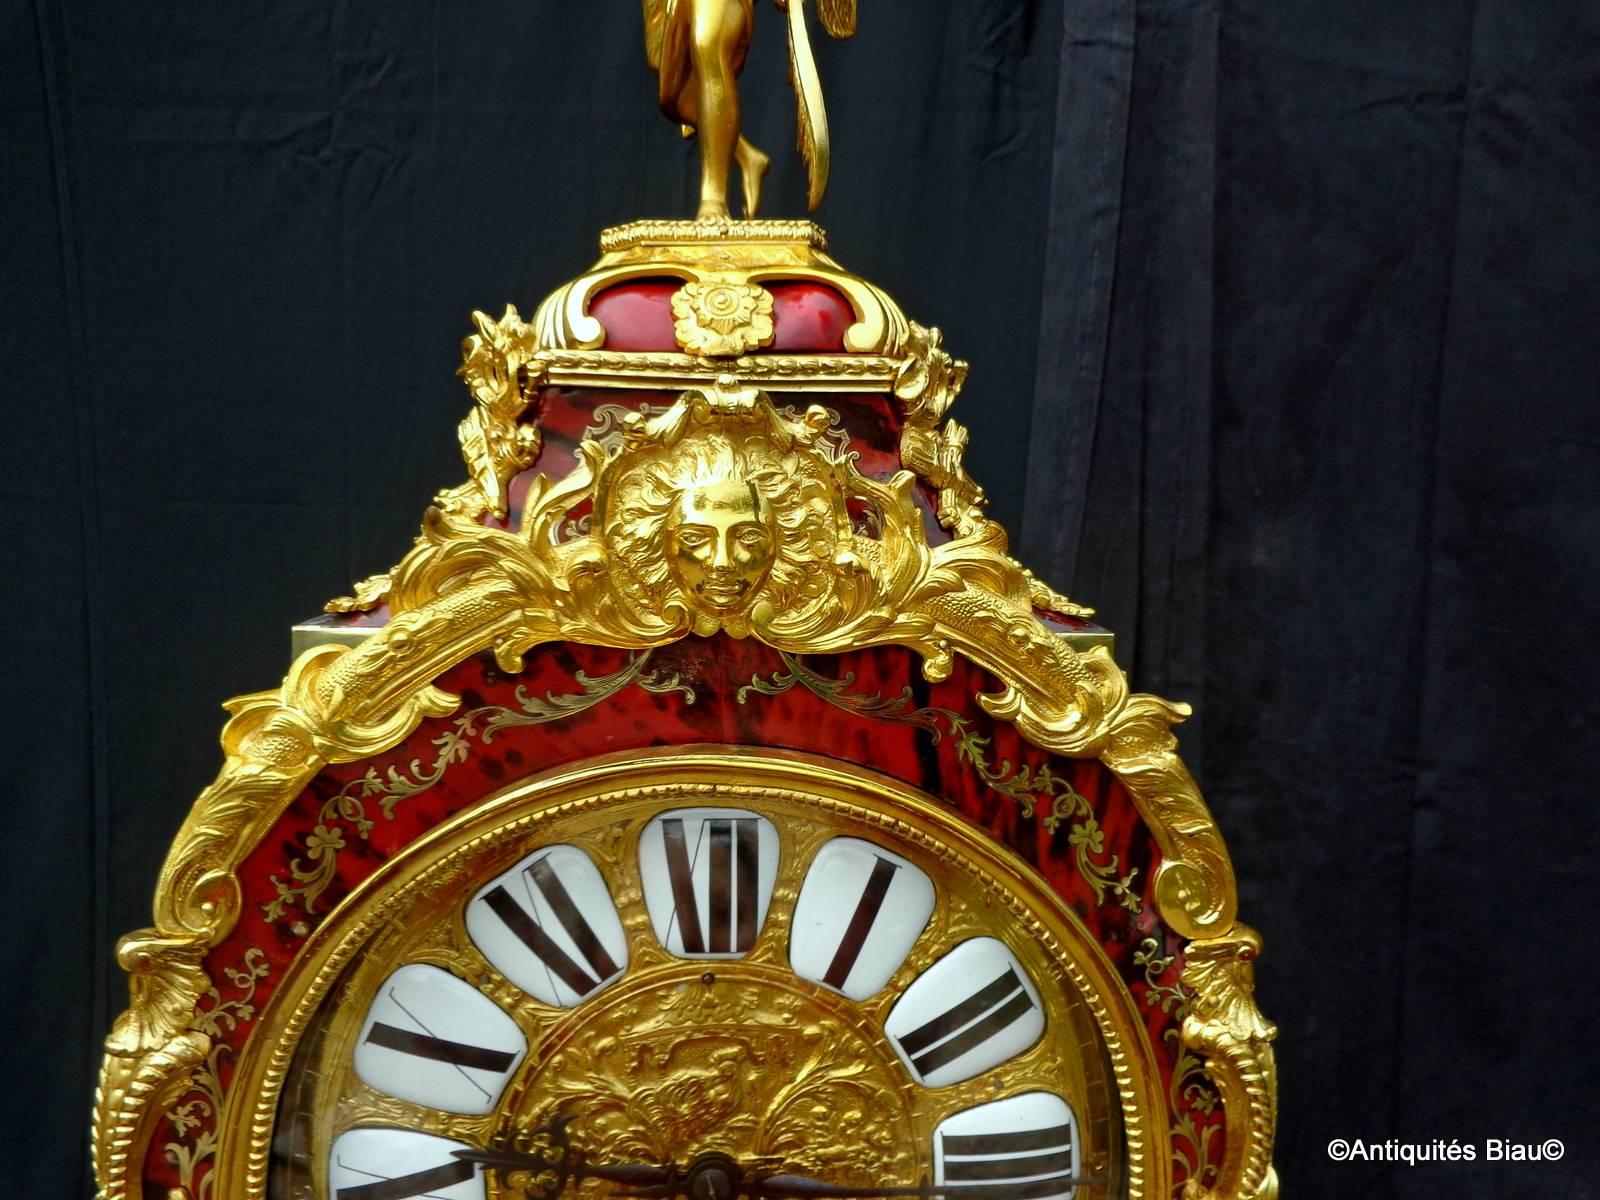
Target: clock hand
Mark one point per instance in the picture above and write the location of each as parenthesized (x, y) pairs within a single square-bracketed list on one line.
[(622, 1172), (562, 1163), (711, 1177), (516, 1160)]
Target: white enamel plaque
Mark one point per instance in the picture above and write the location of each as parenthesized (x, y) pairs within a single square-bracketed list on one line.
[(1023, 1146), (971, 1010), (708, 875), (550, 927), (398, 1164), (432, 1039), (860, 910)]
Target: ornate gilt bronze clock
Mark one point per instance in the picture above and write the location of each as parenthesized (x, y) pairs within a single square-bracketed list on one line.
[(707, 806)]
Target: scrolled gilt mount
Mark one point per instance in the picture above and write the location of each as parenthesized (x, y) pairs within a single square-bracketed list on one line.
[(716, 487)]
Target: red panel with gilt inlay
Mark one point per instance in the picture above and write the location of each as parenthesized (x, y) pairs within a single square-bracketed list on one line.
[(807, 318), (1071, 819)]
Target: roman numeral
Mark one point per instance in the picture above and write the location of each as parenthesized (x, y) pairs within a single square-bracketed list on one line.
[(548, 924), (462, 1054), (707, 876), (859, 912), (532, 935), (418, 1183), (1021, 1142), (968, 1024), (992, 1164), (733, 863), (572, 920), (681, 876), (433, 1039), (855, 934)]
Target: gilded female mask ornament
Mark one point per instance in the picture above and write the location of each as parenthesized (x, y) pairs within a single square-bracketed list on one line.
[(722, 509), (721, 539), (661, 559)]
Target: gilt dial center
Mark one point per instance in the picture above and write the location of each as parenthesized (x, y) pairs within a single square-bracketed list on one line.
[(712, 1181), (762, 1068)]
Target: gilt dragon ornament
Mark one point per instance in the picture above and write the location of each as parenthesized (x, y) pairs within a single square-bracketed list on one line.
[(801, 577)]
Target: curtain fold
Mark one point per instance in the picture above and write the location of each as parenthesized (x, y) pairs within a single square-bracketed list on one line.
[(1093, 96), (1118, 493), (1315, 430)]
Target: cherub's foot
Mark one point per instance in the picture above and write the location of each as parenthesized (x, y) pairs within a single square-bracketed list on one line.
[(752, 173), (712, 210)]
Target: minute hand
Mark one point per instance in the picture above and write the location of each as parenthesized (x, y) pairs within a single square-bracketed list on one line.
[(516, 1160)]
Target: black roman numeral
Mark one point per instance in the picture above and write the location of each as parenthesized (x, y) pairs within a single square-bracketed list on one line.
[(682, 877), (418, 1183), (422, 1045), (988, 1162), (579, 930), (734, 864), (855, 934), (961, 1028), (532, 935)]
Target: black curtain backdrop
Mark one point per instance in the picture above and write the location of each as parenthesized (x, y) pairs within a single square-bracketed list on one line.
[(1285, 324)]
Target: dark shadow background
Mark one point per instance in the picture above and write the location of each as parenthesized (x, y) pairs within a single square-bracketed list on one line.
[(1285, 323)]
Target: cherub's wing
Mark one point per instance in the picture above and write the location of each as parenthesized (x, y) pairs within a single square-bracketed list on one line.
[(838, 17), (812, 118), (655, 26)]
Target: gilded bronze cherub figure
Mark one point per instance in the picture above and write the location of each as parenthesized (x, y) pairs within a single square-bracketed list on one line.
[(697, 49)]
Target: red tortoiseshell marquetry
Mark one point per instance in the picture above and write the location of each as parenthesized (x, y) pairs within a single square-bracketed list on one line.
[(807, 318), (933, 736)]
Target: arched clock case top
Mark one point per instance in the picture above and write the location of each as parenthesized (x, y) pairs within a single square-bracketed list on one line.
[(716, 449)]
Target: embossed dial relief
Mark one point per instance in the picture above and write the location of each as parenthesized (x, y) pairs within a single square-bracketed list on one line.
[(1022, 1147), (708, 876), (860, 911), (549, 926), (432, 1039), (398, 1164), (970, 1011)]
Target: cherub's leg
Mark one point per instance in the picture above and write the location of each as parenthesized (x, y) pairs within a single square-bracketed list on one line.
[(752, 162), (752, 170), (715, 34)]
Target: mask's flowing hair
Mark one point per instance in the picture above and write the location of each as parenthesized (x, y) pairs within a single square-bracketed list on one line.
[(793, 486)]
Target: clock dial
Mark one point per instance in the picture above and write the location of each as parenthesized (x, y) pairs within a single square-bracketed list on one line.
[(800, 990), (1024, 1147), (432, 1039), (970, 1011), (860, 911), (398, 1164), (708, 876), (549, 926)]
